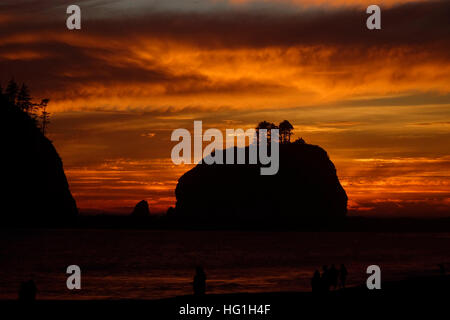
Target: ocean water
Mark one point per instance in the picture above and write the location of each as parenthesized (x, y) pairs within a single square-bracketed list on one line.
[(139, 264)]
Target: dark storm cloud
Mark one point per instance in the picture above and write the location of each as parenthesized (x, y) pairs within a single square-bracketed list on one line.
[(407, 24)]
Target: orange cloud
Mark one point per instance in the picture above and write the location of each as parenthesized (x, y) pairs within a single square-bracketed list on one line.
[(240, 59)]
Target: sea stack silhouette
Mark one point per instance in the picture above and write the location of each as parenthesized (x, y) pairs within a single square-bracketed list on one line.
[(141, 210), (305, 190), (35, 188)]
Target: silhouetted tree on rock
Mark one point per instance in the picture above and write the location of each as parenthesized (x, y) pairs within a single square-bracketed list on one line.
[(299, 141), (285, 131), (24, 99), (11, 91), (45, 116), (267, 126)]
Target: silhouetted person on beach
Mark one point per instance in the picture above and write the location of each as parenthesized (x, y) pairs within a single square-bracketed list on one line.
[(325, 279), (315, 282), (342, 276), (27, 291), (334, 277), (442, 270), (199, 281)]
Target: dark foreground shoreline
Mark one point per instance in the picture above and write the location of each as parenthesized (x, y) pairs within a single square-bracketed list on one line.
[(427, 296)]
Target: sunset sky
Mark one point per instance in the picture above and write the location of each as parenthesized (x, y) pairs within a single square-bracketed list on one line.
[(377, 101)]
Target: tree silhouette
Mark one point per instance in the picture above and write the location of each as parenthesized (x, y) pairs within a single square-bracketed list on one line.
[(2, 96), (24, 99), (267, 126), (300, 141), (45, 116), (285, 131), (263, 125), (11, 91)]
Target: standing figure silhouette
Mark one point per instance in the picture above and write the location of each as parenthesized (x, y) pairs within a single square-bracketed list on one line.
[(325, 279), (442, 269), (342, 276), (315, 282), (27, 291), (334, 277), (199, 281)]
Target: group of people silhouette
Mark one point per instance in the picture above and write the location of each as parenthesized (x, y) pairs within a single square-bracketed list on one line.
[(331, 278)]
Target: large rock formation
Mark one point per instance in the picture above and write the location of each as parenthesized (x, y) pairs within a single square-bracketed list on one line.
[(34, 186), (306, 188)]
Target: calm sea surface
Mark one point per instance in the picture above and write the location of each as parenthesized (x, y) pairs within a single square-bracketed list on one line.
[(135, 264)]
